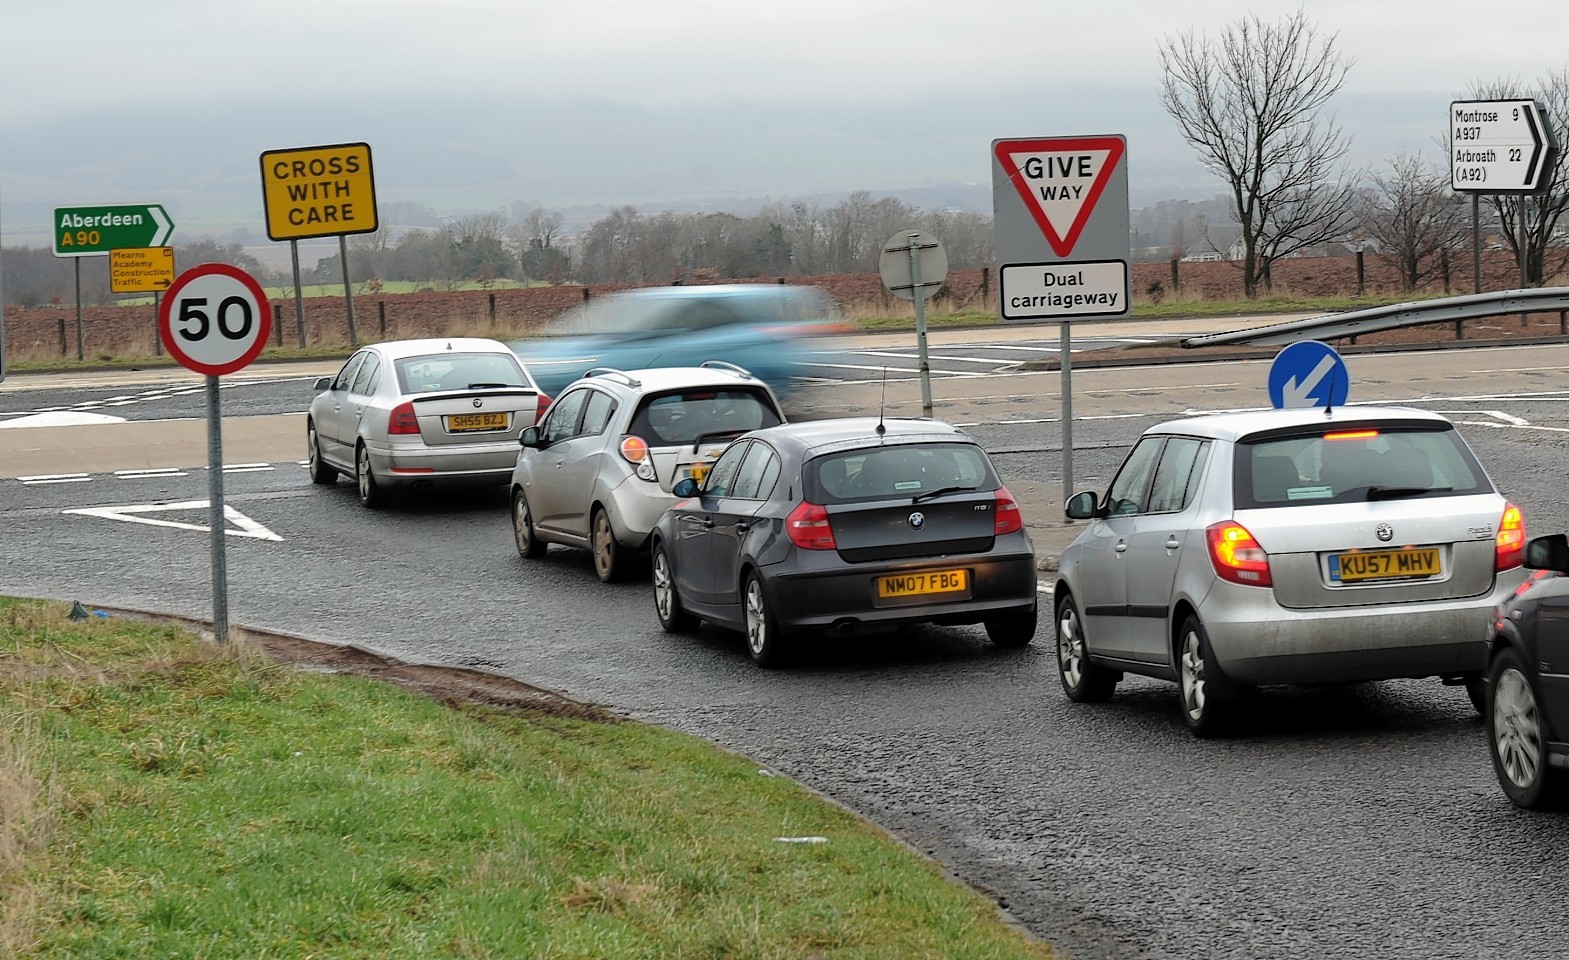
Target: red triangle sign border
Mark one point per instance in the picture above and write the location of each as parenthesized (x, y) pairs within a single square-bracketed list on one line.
[(1004, 150)]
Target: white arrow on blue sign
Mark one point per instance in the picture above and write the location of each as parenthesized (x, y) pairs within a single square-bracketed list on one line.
[(1308, 374)]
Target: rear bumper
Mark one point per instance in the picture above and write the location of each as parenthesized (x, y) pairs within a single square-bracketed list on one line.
[(479, 463), (635, 507), (1256, 641), (846, 598)]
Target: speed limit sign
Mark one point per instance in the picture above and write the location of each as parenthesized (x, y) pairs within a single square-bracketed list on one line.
[(214, 319)]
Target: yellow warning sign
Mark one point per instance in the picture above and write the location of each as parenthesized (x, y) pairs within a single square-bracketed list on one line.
[(141, 269), (319, 191)]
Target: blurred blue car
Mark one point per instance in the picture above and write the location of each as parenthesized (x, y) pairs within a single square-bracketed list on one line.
[(752, 325)]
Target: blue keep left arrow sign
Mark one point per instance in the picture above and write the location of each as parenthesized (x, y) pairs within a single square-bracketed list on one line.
[(1308, 374)]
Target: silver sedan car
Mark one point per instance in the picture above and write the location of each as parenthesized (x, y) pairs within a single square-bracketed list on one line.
[(417, 413), (1286, 547)]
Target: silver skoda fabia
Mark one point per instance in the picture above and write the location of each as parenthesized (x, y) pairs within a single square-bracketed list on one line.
[(1286, 547)]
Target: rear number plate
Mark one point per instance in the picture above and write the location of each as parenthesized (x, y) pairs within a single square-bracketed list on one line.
[(1355, 567), (923, 584), (460, 422)]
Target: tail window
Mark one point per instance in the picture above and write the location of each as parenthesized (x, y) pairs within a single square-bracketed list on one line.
[(682, 416), (896, 470), (1354, 464)]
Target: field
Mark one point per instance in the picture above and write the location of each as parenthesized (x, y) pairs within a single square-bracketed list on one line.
[(320, 324)]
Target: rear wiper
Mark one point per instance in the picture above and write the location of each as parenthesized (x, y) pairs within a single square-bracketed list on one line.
[(703, 438), (939, 492), (1395, 493)]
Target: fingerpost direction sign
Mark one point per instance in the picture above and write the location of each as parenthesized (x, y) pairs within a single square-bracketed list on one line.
[(1061, 220), (1500, 146), (94, 231), (1308, 374)]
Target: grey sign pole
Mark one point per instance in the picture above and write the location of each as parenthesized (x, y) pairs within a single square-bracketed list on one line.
[(2, 309), (348, 291), (1066, 349), (914, 267), (215, 518), (920, 328), (299, 296)]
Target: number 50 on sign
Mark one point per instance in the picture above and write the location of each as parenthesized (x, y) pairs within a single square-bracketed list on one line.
[(214, 319)]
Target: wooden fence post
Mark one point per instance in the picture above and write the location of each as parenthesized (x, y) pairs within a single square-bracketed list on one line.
[(1361, 275), (1176, 279), (381, 317)]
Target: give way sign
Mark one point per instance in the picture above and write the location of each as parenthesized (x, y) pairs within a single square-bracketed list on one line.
[(1061, 180)]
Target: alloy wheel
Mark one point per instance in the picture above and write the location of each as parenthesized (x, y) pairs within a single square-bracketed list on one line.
[(1517, 729), (1194, 698), (1070, 646), (756, 618)]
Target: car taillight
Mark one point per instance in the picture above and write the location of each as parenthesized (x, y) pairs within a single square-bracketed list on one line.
[(1509, 546), (1236, 556), (542, 406), (808, 527), (635, 450), (402, 420), (1007, 518)]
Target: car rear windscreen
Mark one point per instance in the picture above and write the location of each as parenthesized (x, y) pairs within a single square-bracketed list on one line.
[(1349, 464), (895, 470), (459, 371), (681, 416)]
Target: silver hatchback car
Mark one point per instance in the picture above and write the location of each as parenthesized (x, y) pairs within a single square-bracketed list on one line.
[(415, 413), (1286, 547), (597, 471)]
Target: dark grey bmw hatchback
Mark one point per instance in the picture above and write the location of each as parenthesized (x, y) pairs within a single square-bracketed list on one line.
[(842, 526)]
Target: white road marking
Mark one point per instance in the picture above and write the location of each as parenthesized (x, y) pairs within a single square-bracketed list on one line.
[(61, 418), (55, 478), (145, 474), (134, 513)]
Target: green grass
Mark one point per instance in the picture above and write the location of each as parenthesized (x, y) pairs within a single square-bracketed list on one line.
[(162, 796)]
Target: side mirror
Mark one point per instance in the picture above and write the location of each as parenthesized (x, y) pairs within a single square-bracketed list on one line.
[(685, 487), (529, 437), (1081, 506), (1548, 553), (325, 383)]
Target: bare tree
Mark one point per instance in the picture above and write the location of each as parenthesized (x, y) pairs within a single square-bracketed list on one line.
[(1250, 103), (534, 241), (1545, 253), (1412, 215)]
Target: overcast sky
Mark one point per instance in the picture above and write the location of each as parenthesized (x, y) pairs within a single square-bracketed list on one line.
[(634, 100)]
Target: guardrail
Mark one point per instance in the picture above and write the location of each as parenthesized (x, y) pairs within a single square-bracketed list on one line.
[(1444, 310)]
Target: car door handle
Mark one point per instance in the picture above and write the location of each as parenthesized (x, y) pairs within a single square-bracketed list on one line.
[(1121, 548), (742, 527), (1173, 543), (708, 521)]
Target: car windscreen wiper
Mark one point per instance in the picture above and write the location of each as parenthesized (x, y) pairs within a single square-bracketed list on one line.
[(1395, 493), (940, 491)]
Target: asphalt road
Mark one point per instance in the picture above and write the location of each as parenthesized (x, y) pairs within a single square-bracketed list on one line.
[(1344, 822)]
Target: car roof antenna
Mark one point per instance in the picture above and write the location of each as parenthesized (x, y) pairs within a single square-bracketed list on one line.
[(882, 402), (1329, 400)]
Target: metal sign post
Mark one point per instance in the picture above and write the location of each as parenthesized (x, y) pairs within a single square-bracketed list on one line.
[(214, 321), (913, 267)]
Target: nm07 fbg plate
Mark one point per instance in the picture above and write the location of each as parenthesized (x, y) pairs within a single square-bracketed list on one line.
[(949, 584)]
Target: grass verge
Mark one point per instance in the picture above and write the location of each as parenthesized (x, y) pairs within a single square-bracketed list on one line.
[(162, 796)]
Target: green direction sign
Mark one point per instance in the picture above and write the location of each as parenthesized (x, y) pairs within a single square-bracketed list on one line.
[(91, 231)]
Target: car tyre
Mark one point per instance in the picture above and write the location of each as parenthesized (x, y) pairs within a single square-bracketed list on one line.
[(530, 547), (1205, 713), (372, 494), (1012, 630), (764, 640), (1517, 737), (610, 557), (1083, 680), (321, 473), (667, 601)]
